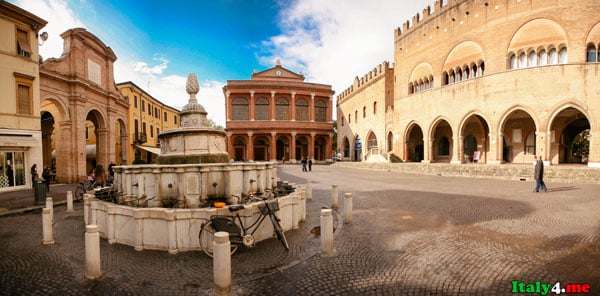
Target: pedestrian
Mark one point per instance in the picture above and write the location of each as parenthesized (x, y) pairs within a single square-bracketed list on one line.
[(538, 175), (100, 176), (33, 175), (310, 164), (46, 177), (303, 162)]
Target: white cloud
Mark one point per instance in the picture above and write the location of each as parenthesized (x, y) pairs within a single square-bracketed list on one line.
[(331, 42)]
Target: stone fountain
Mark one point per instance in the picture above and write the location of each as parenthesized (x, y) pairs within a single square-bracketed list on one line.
[(161, 206)]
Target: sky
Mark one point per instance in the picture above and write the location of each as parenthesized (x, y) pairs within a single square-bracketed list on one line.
[(158, 43)]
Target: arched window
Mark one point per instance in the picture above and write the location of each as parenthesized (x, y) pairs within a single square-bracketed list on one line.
[(543, 57), (532, 59), (349, 118), (553, 56), (444, 146), (458, 75), (282, 109), (591, 54), (364, 111), (451, 77), (411, 89), (320, 111), (342, 120), (562, 56), (466, 73), (355, 116), (481, 68), (512, 61), (239, 109), (522, 60), (372, 142), (374, 107), (262, 109), (445, 78), (474, 70), (390, 142), (530, 144), (301, 110)]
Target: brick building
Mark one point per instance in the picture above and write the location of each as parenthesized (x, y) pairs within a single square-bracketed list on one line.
[(78, 99), (276, 115), (20, 135), (496, 81)]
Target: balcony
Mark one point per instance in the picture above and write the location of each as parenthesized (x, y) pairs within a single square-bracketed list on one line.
[(140, 138)]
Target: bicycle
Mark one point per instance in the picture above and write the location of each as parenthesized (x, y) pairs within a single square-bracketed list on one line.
[(82, 188), (239, 234)]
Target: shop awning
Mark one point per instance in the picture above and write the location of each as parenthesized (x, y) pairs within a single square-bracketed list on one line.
[(154, 150), (19, 141)]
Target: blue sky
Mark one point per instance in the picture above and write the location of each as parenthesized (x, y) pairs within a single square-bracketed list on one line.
[(158, 43)]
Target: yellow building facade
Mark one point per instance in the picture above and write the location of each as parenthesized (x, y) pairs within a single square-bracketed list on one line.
[(147, 118), (20, 128), (498, 82)]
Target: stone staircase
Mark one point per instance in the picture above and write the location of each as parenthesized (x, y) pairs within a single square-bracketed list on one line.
[(555, 173)]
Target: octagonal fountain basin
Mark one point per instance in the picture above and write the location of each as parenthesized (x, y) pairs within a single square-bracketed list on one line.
[(176, 229)]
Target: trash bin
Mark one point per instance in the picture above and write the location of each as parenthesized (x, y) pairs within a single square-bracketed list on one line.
[(40, 192)]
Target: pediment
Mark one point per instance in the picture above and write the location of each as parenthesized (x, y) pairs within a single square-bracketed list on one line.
[(277, 72)]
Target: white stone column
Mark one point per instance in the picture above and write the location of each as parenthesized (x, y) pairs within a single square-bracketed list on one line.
[(110, 224), (86, 209), (50, 205), (48, 238), (303, 204), (334, 196), (138, 215), (327, 232), (69, 201), (92, 252), (222, 263), (348, 208)]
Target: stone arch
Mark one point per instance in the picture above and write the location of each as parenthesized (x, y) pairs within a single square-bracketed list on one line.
[(357, 148), (516, 124), (240, 143), (474, 133), (346, 147), (463, 53), (96, 138), (302, 144), (261, 146), (414, 146), (529, 35), (441, 136), (567, 123), (282, 148), (422, 70)]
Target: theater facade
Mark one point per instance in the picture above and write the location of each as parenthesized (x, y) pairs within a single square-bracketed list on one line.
[(277, 116)]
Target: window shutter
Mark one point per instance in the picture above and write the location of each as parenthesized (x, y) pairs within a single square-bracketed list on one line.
[(24, 100)]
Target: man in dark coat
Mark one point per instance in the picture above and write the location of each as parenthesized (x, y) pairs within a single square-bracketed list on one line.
[(538, 175)]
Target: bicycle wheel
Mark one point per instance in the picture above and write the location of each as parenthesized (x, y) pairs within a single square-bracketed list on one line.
[(79, 191), (279, 231), (206, 238)]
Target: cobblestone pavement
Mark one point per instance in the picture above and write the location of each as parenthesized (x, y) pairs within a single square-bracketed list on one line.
[(410, 235)]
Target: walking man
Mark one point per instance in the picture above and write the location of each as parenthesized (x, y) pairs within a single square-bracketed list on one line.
[(310, 164), (303, 162), (538, 175)]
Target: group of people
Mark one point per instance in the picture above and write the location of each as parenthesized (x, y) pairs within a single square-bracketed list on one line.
[(46, 175), (306, 162), (99, 178)]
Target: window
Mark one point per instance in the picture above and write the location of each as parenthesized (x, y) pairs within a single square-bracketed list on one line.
[(24, 88), (562, 56), (135, 102), (364, 111), (165, 116), (282, 109), (301, 110), (320, 111), (349, 118), (342, 120), (262, 109), (157, 132), (87, 132), (23, 48), (239, 108), (149, 109), (374, 107), (591, 54), (530, 144), (355, 116), (156, 113), (143, 127), (136, 125), (552, 56), (175, 119), (474, 70), (143, 104), (543, 57), (151, 131), (522, 60), (13, 168), (532, 59)]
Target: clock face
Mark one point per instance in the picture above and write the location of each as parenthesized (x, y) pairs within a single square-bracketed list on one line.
[(278, 73)]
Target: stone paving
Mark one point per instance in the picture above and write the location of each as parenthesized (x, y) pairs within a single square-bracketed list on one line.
[(410, 235)]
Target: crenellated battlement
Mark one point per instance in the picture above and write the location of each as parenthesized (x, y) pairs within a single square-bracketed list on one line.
[(359, 83)]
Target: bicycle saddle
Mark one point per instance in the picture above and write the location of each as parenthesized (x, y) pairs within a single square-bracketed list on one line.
[(233, 208)]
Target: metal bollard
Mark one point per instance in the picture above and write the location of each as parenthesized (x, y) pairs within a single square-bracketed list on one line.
[(327, 232), (92, 252), (50, 205), (309, 190), (69, 201), (222, 263), (48, 238), (334, 196), (348, 208)]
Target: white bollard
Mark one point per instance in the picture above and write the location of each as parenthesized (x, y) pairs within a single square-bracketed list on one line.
[(69, 201), (92, 252), (309, 190), (348, 208), (334, 196), (222, 263), (86, 209), (327, 232), (50, 205), (47, 227)]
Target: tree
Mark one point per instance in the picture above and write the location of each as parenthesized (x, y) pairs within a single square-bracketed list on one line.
[(581, 144)]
